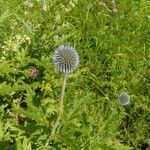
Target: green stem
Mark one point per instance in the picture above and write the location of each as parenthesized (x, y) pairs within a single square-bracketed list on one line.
[(63, 92), (61, 105)]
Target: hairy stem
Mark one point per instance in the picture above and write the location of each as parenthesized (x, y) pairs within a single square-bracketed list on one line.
[(61, 105), (63, 93)]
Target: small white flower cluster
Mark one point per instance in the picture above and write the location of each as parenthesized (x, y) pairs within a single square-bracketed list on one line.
[(65, 9), (114, 9), (70, 6), (14, 43), (45, 5), (28, 3)]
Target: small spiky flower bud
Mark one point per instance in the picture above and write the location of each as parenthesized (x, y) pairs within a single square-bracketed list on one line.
[(66, 59), (124, 99), (33, 73)]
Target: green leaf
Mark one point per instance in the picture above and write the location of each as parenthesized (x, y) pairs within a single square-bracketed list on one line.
[(6, 68), (5, 88), (121, 147), (34, 114), (23, 144), (5, 15), (78, 105)]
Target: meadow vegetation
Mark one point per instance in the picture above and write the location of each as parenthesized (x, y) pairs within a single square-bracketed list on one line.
[(112, 39)]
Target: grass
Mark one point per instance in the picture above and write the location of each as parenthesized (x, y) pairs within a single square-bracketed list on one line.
[(114, 50)]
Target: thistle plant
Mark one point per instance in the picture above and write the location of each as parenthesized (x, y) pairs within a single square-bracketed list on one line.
[(124, 99), (66, 60)]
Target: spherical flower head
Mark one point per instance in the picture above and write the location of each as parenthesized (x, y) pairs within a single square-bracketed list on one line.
[(65, 59), (124, 99)]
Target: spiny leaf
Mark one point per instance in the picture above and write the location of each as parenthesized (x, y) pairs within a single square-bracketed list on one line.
[(18, 144), (23, 144), (7, 88), (6, 68), (5, 16), (36, 115), (78, 106)]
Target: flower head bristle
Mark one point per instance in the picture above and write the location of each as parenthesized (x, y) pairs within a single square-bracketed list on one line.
[(65, 59)]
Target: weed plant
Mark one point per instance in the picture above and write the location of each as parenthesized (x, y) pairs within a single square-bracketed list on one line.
[(107, 99)]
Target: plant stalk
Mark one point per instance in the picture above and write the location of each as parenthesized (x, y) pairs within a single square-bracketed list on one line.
[(61, 105)]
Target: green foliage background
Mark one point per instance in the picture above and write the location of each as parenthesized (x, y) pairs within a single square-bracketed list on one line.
[(114, 49)]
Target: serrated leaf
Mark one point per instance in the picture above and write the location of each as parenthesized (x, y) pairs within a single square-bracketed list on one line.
[(78, 106), (6, 68), (5, 88), (5, 15), (34, 114)]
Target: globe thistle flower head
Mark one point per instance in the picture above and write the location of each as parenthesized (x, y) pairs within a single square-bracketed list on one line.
[(65, 59), (124, 99)]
